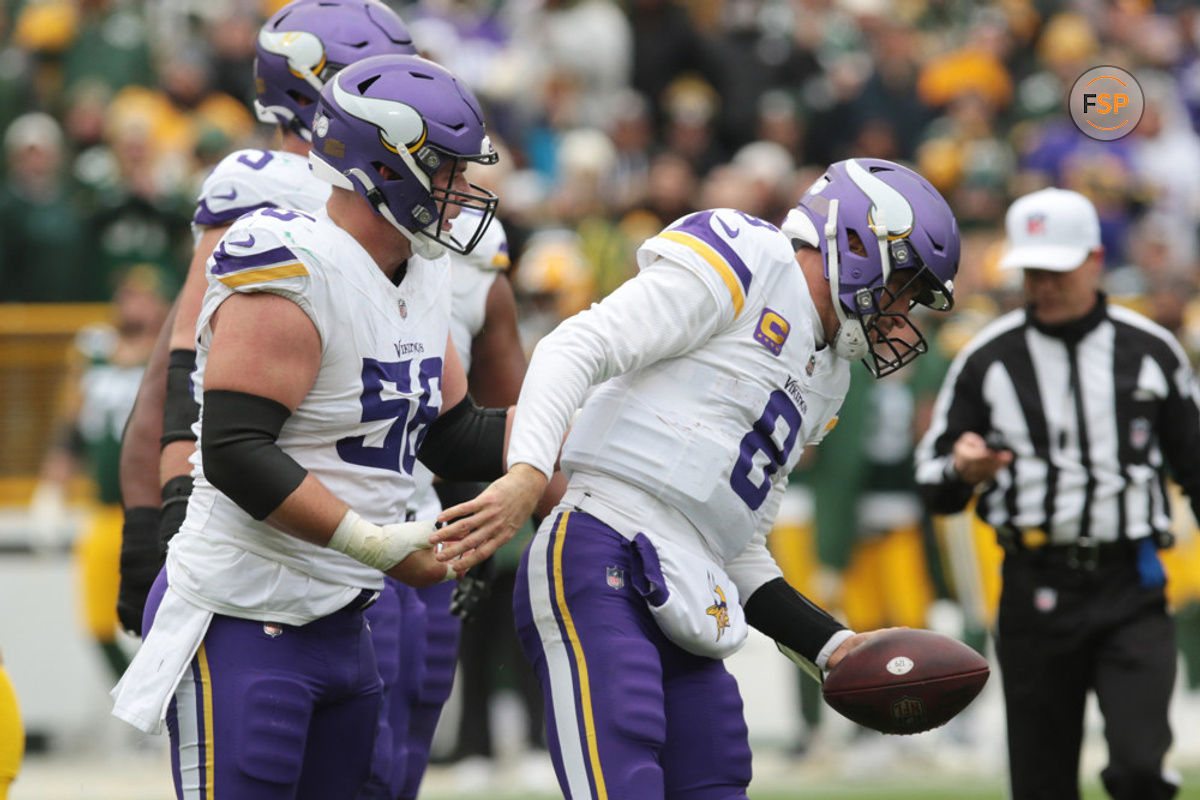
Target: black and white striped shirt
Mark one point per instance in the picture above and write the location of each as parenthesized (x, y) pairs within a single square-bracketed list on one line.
[(1094, 412)]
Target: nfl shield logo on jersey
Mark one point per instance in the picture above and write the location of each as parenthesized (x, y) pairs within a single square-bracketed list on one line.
[(1045, 598), (403, 310), (1139, 433), (615, 576)]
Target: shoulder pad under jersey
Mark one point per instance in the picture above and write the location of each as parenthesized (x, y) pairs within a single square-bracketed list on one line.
[(251, 179), (723, 246)]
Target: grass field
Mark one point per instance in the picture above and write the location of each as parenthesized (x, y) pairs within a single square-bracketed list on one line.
[(146, 776), (956, 789)]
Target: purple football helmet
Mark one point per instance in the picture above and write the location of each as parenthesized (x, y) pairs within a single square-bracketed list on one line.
[(884, 233), (306, 42), (398, 130)]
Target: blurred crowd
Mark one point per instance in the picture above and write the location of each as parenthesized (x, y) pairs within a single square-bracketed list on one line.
[(614, 118)]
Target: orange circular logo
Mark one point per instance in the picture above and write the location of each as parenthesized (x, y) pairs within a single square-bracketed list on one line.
[(1106, 103)]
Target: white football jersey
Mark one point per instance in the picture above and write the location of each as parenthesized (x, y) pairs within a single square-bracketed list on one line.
[(358, 430), (709, 420), (472, 277), (247, 180)]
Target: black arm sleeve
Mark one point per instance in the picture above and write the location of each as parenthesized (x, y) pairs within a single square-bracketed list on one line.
[(790, 618), (175, 494), (181, 409), (466, 443), (240, 456)]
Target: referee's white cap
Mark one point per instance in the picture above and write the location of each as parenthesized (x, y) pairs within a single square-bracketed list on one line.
[(1051, 229)]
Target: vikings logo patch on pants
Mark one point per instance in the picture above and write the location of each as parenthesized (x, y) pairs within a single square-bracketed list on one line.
[(628, 713), (270, 711)]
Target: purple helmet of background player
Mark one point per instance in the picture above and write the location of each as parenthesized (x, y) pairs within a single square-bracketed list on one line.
[(882, 230), (397, 129), (306, 42)]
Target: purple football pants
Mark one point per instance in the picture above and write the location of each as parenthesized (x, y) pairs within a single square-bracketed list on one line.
[(628, 713), (269, 711), (435, 679), (397, 622)]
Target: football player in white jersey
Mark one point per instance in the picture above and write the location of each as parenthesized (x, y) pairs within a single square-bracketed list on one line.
[(483, 327), (297, 50), (325, 368), (712, 369)]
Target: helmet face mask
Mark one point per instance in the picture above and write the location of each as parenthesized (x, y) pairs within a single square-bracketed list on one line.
[(400, 130), (893, 338), (306, 43), (889, 242)]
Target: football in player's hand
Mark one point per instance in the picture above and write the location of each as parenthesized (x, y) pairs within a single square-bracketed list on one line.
[(905, 680)]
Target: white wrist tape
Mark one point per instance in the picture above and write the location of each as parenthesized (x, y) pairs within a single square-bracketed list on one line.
[(816, 670), (834, 642), (380, 546)]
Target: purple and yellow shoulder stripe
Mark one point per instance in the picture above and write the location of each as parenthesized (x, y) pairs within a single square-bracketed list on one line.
[(500, 259), (258, 267), (697, 233), (206, 217)]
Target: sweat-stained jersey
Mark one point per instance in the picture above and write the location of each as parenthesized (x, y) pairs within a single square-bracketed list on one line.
[(358, 430), (705, 413), (247, 180)]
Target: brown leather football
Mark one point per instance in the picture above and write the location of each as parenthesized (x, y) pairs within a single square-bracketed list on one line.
[(905, 681)]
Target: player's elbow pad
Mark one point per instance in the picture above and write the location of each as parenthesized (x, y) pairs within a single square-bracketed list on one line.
[(240, 455), (466, 443), (790, 618), (180, 409)]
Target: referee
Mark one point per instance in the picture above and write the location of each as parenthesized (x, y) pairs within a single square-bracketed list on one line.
[(1063, 418)]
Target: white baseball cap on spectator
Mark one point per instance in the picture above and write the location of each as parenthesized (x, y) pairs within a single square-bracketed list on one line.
[(1050, 229), (34, 129)]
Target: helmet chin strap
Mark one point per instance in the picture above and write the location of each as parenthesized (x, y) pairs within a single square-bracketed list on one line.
[(850, 340), (421, 244)]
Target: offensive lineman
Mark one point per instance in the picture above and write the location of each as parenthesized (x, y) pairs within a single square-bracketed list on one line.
[(298, 50), (712, 370), (325, 366), (483, 327)]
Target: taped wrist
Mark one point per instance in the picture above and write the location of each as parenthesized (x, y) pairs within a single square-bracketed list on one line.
[(466, 443), (240, 454), (790, 618), (380, 546), (180, 410)]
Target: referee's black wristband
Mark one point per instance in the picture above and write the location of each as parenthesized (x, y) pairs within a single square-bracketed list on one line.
[(790, 618), (180, 410)]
